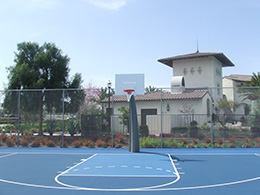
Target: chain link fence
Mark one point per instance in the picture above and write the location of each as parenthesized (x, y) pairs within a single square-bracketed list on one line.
[(190, 118)]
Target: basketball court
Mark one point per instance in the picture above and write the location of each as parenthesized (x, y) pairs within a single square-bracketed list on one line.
[(117, 171)]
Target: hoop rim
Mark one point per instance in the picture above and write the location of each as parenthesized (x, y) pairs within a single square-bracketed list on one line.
[(129, 91)]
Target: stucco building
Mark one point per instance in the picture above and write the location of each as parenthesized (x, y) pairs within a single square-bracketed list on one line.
[(190, 96)]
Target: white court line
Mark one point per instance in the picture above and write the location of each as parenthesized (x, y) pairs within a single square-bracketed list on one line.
[(176, 174), (56, 178), (148, 176), (8, 155), (140, 189)]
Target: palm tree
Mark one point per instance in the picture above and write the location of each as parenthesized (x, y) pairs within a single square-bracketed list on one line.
[(251, 89), (150, 89)]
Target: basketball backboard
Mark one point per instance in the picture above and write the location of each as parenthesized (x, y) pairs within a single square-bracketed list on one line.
[(129, 81)]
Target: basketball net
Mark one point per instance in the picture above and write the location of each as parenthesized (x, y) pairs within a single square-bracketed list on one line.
[(129, 93)]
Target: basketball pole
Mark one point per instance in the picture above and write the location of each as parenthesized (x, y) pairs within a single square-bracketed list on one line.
[(133, 127)]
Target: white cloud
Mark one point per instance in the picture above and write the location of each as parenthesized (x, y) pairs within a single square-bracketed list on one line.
[(108, 4)]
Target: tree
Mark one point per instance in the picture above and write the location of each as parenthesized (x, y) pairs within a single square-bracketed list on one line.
[(125, 116), (91, 101), (39, 67), (150, 89), (249, 89)]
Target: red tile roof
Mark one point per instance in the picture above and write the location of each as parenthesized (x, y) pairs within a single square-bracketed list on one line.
[(165, 95), (220, 56), (237, 77)]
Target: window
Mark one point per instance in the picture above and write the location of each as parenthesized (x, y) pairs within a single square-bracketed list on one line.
[(192, 70), (218, 85), (199, 70), (185, 71)]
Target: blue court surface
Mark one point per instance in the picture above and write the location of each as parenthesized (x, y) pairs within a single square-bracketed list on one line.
[(68, 171)]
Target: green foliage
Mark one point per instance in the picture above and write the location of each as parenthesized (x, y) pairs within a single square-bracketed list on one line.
[(247, 90), (150, 89), (143, 131), (73, 126), (226, 105), (40, 67), (193, 123), (124, 115), (51, 126), (254, 120), (193, 131), (149, 142)]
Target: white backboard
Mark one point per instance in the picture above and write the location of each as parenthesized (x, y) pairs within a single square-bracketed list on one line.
[(129, 81)]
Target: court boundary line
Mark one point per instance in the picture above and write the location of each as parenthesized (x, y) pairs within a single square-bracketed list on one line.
[(7, 155), (74, 175), (161, 189)]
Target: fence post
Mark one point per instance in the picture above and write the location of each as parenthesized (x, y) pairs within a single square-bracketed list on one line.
[(112, 120), (18, 122), (161, 121), (211, 117), (63, 110)]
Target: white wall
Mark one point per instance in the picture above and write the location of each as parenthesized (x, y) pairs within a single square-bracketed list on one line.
[(210, 75)]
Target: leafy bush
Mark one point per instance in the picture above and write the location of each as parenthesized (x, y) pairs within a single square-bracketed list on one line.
[(193, 123), (3, 137), (220, 141), (191, 145), (246, 145), (73, 126), (51, 126), (36, 142), (144, 131), (100, 143), (179, 130), (10, 142), (171, 143), (195, 141), (51, 143), (207, 140), (148, 142), (76, 143), (193, 131), (24, 142)]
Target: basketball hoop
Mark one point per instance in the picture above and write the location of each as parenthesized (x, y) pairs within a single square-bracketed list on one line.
[(129, 93)]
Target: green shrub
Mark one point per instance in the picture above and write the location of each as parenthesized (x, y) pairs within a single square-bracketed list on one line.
[(193, 123), (255, 131), (170, 143), (143, 131), (149, 142), (50, 143), (51, 126), (179, 130), (199, 145), (193, 131), (76, 144), (73, 126), (36, 142)]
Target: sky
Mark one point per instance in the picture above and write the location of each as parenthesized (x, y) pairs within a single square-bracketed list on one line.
[(103, 38)]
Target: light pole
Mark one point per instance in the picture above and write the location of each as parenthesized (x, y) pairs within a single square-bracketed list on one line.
[(109, 84)]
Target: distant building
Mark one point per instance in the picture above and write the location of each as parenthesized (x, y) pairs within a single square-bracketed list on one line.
[(230, 91), (200, 70), (189, 98)]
